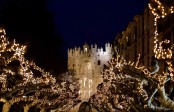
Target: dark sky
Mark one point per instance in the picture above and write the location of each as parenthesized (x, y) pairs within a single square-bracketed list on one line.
[(31, 23), (93, 21)]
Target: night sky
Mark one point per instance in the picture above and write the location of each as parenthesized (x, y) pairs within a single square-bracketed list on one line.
[(93, 21), (50, 27)]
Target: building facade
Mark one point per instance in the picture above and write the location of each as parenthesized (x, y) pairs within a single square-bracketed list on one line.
[(137, 38), (88, 63)]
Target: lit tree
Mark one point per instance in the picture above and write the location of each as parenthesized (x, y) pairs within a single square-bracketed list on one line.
[(68, 95), (22, 81), (130, 86)]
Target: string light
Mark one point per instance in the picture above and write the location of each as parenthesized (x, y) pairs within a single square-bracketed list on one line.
[(119, 74), (20, 80)]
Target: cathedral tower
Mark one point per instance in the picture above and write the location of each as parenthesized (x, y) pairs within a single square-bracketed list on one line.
[(88, 63)]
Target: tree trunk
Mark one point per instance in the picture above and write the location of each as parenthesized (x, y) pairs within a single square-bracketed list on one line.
[(165, 100), (6, 107)]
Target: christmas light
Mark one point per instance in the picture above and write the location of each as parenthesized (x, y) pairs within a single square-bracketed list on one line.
[(20, 80), (128, 82)]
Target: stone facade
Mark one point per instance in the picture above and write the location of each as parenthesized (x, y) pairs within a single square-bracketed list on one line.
[(137, 39), (88, 63)]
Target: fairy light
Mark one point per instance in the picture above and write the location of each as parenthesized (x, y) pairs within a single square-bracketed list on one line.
[(44, 86), (161, 12), (116, 73)]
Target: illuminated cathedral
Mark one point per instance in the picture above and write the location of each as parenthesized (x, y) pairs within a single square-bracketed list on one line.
[(88, 62)]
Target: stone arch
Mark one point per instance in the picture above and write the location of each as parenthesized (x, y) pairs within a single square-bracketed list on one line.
[(85, 75), (84, 66)]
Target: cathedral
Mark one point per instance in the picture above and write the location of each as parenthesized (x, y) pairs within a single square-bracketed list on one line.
[(88, 62)]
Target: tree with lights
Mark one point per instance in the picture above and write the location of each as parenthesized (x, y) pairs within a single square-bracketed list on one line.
[(23, 82), (130, 86)]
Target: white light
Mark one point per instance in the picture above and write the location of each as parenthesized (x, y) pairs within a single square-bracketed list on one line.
[(84, 81), (90, 83), (85, 49), (90, 91)]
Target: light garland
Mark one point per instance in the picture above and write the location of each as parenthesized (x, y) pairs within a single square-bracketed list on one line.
[(117, 74), (159, 51), (48, 91)]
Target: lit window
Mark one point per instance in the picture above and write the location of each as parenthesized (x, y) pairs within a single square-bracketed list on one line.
[(90, 91), (85, 49), (84, 82), (90, 83)]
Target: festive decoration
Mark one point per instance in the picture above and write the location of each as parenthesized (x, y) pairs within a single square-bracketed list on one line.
[(130, 86), (22, 81)]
